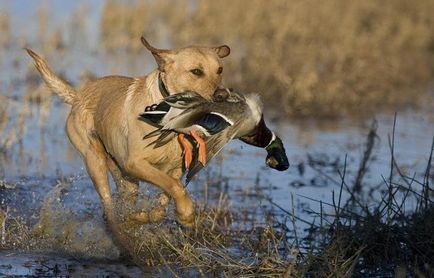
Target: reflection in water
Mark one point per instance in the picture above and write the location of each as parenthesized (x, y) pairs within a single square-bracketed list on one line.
[(41, 265)]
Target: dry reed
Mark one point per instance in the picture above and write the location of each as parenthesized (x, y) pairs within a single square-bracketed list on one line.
[(307, 57), (5, 30)]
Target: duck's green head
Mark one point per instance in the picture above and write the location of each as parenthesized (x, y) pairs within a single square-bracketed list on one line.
[(263, 137), (276, 155)]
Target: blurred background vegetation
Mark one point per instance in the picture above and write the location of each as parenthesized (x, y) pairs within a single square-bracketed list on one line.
[(306, 57), (309, 58)]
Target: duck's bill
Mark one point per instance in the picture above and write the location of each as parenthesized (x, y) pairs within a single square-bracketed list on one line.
[(276, 156)]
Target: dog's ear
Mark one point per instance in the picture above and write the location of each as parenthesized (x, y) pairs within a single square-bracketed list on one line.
[(162, 56), (222, 51)]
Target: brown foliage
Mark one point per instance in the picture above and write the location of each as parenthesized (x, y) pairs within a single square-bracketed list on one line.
[(307, 57)]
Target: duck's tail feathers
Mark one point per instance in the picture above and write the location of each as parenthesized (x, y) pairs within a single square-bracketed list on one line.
[(164, 138), (54, 83), (152, 134), (153, 117)]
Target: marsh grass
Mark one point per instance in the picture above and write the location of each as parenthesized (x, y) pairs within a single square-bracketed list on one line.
[(5, 38), (14, 231), (309, 58), (4, 117), (14, 113), (223, 242), (356, 237), (391, 236), (306, 58)]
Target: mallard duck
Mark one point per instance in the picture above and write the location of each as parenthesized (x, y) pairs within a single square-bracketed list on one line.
[(210, 124)]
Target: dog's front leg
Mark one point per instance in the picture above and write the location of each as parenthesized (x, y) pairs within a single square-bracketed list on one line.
[(143, 170), (128, 191), (156, 214)]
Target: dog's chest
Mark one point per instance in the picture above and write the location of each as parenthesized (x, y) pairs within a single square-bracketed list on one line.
[(167, 157)]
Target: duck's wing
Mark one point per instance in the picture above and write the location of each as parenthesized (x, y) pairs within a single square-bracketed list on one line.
[(188, 120), (166, 111), (154, 114), (198, 118), (185, 100), (158, 114), (164, 136), (214, 144), (214, 122)]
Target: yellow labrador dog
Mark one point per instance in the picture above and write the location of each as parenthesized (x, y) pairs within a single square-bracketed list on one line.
[(103, 125)]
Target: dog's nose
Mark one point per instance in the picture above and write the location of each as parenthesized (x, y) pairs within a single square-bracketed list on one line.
[(221, 94)]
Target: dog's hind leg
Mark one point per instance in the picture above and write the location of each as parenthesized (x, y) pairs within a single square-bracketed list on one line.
[(94, 156)]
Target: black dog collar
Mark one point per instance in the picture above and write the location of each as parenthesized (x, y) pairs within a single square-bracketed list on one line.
[(162, 87)]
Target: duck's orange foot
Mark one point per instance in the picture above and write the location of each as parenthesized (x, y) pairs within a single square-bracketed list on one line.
[(188, 150), (202, 147)]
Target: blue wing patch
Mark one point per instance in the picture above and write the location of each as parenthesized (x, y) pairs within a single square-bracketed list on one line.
[(213, 123)]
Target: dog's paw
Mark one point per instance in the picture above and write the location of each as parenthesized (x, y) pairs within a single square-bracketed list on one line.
[(163, 199), (186, 221), (155, 215), (185, 212)]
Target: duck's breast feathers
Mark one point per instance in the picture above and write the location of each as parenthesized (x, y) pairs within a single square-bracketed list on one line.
[(255, 105)]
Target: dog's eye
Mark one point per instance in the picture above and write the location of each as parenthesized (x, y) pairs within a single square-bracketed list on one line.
[(197, 72), (220, 70)]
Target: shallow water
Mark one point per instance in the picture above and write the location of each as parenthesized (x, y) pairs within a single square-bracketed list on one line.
[(44, 181), (52, 265)]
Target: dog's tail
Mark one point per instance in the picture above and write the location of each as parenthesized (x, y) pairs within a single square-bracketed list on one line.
[(57, 85)]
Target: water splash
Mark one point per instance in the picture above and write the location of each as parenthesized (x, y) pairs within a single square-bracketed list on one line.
[(60, 229)]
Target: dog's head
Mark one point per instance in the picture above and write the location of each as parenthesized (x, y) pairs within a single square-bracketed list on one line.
[(196, 69)]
